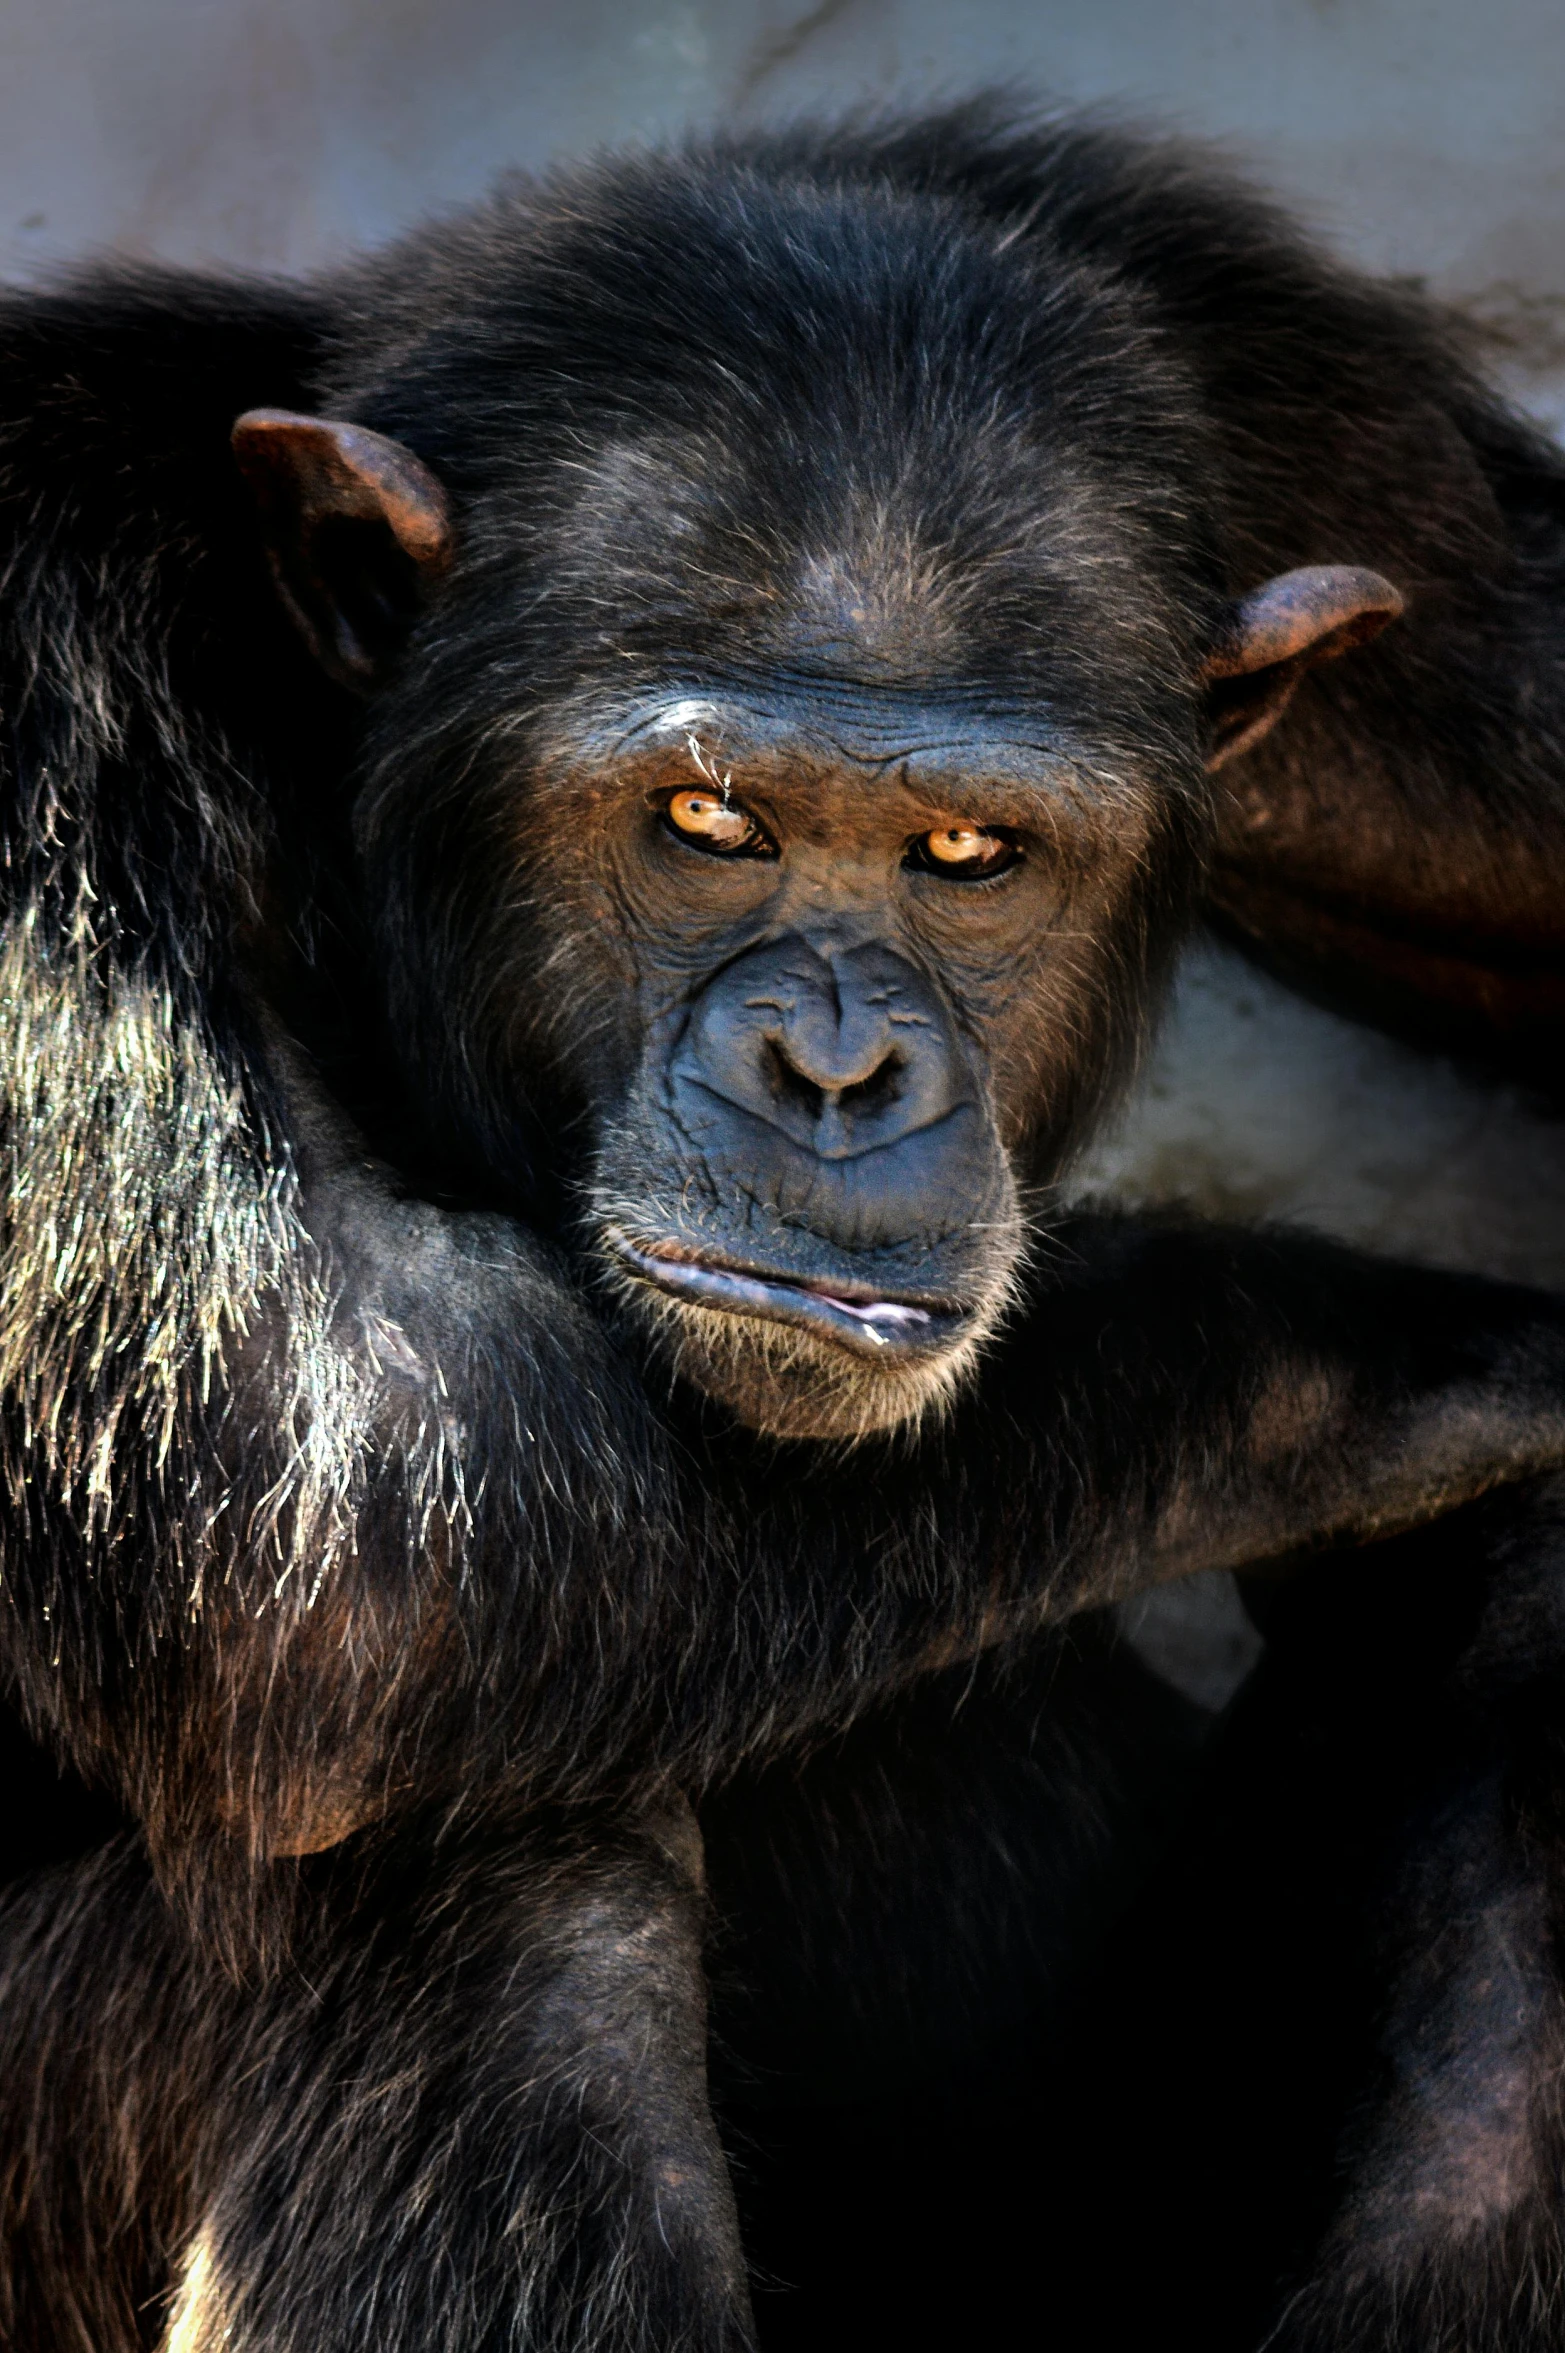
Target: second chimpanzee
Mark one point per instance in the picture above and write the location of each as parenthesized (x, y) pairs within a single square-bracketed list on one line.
[(563, 917)]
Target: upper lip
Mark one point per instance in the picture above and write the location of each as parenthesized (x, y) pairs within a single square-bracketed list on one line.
[(872, 1319)]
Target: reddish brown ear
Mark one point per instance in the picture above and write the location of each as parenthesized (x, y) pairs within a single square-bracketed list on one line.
[(358, 531), (1276, 633)]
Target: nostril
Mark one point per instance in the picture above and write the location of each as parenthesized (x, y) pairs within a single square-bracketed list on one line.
[(790, 1084), (880, 1088)]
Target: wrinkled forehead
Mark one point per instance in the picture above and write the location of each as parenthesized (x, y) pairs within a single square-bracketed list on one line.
[(832, 724), (828, 751)]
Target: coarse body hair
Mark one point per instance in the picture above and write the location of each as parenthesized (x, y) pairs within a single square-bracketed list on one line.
[(397, 1592)]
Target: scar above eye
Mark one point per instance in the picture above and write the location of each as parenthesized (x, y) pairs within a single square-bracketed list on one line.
[(682, 718), (706, 769)]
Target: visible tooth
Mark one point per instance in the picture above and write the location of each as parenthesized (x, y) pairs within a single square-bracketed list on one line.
[(879, 1311)]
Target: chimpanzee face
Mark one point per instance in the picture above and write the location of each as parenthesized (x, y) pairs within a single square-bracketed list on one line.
[(847, 979)]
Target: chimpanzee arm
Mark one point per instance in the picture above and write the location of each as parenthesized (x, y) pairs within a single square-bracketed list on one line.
[(235, 1504), (1287, 1393), (1174, 1398), (298, 1470), (476, 2110)]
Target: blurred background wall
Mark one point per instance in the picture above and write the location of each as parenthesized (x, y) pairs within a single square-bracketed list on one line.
[(1425, 136)]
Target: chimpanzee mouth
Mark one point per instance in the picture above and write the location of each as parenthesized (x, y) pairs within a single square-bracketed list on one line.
[(867, 1322)]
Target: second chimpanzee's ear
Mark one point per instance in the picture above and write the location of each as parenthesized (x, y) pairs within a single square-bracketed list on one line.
[(358, 531), (1276, 633)]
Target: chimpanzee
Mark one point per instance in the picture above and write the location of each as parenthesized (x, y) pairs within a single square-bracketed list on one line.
[(595, 808)]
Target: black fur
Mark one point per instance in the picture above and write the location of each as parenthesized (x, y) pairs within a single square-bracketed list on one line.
[(356, 1542)]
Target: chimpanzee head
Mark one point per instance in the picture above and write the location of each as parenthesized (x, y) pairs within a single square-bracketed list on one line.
[(794, 647)]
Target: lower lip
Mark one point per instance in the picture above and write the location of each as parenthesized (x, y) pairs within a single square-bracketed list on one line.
[(878, 1328)]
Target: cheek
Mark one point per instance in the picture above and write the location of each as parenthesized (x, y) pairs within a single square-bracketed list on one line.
[(673, 930), (1039, 1051), (1053, 1020), (999, 995), (564, 990), (607, 958)]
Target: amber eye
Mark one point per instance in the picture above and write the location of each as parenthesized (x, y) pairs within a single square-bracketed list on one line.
[(709, 822), (963, 851)]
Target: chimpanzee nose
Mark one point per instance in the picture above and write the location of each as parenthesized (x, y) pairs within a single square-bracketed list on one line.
[(834, 1068), (844, 1050)]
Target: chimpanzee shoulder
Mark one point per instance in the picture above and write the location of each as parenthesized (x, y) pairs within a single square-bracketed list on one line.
[(136, 598)]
